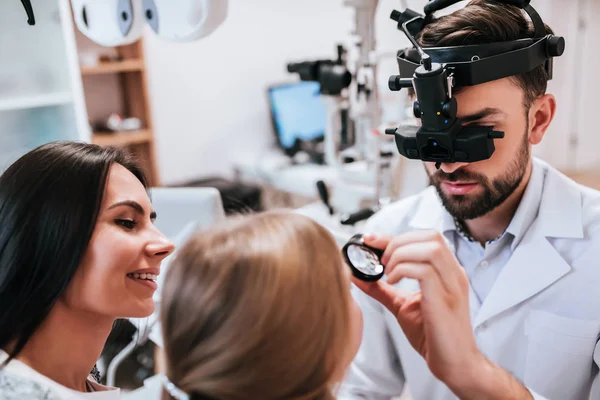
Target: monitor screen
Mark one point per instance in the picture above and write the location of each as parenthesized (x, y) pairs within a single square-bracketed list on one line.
[(298, 112)]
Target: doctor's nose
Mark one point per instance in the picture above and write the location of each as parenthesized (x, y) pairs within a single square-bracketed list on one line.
[(449, 168)]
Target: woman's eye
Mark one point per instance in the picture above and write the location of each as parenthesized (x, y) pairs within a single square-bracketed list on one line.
[(126, 223)]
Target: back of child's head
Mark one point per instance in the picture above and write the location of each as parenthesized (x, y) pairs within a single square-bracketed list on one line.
[(257, 308)]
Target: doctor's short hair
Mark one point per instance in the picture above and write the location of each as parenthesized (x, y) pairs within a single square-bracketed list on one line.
[(482, 22), (50, 199), (258, 308)]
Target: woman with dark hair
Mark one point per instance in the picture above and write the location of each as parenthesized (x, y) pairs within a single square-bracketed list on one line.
[(78, 250)]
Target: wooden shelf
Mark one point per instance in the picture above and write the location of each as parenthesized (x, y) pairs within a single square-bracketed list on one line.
[(114, 67), (122, 138), (121, 87)]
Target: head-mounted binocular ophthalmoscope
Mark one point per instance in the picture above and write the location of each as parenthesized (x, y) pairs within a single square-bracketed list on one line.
[(434, 71)]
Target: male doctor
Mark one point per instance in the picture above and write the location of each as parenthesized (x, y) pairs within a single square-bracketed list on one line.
[(493, 272)]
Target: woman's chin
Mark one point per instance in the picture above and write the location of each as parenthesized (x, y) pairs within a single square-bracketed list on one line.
[(141, 310)]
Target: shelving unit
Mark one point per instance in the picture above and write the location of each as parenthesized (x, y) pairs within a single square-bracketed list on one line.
[(41, 93), (143, 136), (116, 83), (114, 67)]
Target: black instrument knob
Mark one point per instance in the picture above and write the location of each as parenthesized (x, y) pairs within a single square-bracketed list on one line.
[(397, 83), (450, 109), (555, 47), (417, 109)]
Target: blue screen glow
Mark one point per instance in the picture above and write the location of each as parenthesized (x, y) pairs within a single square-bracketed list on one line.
[(299, 112)]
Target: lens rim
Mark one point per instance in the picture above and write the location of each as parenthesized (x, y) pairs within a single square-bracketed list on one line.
[(357, 240)]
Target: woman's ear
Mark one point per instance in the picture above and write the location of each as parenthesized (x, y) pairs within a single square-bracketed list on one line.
[(540, 116)]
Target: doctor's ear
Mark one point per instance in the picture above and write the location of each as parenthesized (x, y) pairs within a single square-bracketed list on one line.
[(184, 20), (109, 23), (541, 114)]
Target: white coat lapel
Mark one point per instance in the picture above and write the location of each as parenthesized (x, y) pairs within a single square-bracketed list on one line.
[(534, 266), (535, 263)]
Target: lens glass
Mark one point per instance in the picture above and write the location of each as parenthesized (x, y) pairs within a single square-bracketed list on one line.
[(364, 260)]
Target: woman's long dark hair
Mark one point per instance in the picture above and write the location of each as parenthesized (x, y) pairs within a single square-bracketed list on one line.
[(49, 203)]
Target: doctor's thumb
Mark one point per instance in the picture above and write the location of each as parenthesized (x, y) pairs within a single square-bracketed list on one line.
[(389, 296), (378, 241)]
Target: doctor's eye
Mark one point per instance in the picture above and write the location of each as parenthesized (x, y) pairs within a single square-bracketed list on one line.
[(125, 16), (151, 14)]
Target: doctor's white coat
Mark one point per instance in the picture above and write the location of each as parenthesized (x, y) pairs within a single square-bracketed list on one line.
[(540, 322)]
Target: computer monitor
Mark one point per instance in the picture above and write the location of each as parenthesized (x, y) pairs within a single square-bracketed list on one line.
[(298, 113)]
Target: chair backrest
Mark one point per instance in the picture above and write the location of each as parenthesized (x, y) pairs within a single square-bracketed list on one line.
[(180, 209)]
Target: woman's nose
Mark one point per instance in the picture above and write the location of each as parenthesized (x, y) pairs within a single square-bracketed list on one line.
[(160, 246)]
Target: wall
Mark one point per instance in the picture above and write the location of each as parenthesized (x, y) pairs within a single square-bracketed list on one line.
[(208, 97), (584, 112)]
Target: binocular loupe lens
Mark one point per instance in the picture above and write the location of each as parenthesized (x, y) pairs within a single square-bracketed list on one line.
[(434, 151), (364, 261)]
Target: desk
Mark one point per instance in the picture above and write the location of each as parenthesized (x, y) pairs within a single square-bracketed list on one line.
[(277, 171), (319, 213), (274, 169)]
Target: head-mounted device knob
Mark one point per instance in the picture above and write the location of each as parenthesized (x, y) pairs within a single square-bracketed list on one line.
[(416, 109), (555, 46), (450, 108), (397, 83)]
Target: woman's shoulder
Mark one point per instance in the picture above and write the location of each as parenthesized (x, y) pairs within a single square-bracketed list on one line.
[(15, 387)]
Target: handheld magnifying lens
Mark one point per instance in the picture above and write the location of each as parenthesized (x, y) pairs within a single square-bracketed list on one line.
[(364, 261)]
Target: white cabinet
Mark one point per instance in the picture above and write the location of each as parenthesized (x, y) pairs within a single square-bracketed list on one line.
[(41, 96)]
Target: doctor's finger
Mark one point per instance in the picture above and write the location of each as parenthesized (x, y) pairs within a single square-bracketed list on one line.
[(378, 241), (429, 281), (389, 296), (408, 238), (426, 252)]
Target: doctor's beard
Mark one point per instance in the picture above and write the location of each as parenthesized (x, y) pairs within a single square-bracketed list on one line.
[(465, 207)]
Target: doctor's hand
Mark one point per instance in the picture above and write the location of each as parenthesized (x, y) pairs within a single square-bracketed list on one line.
[(436, 320)]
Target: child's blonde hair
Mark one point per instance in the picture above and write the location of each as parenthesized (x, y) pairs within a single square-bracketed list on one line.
[(257, 308)]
